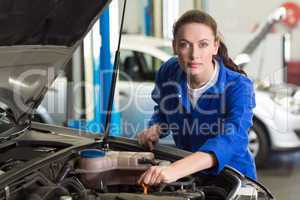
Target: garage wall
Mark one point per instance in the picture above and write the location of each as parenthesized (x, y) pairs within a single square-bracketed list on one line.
[(236, 16), (185, 5), (233, 16), (134, 15)]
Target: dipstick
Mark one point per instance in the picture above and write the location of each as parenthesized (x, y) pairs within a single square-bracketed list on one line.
[(145, 187)]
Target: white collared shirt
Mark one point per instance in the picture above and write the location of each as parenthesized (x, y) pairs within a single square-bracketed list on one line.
[(195, 94)]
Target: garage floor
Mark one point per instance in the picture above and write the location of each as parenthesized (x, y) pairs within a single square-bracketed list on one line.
[(282, 176)]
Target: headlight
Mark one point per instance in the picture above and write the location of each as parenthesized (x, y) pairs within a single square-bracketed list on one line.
[(289, 102)]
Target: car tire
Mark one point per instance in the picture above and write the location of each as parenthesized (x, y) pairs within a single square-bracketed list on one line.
[(259, 144)]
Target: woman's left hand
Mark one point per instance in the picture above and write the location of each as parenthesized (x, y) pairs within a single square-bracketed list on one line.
[(158, 174)]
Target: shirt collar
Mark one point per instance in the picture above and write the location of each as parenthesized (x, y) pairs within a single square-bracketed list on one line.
[(217, 88), (182, 89)]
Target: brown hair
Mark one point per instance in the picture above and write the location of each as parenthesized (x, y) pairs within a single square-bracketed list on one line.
[(197, 16)]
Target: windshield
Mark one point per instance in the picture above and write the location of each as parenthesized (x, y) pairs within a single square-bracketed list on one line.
[(138, 66)]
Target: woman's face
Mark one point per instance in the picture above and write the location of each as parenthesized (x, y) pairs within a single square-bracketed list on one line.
[(195, 45)]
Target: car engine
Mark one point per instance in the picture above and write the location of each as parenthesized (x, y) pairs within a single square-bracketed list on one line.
[(106, 175)]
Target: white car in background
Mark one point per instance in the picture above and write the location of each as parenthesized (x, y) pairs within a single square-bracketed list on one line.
[(276, 116)]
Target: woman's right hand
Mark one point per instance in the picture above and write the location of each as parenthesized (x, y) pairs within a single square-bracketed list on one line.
[(149, 137)]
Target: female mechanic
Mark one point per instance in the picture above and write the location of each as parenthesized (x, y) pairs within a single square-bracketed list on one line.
[(205, 100)]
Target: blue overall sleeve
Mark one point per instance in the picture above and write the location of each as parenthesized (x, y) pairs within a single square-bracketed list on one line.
[(233, 141), (158, 116)]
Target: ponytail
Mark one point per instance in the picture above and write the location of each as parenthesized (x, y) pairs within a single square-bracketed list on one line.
[(228, 62)]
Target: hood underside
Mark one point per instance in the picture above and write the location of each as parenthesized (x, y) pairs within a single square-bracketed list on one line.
[(37, 39)]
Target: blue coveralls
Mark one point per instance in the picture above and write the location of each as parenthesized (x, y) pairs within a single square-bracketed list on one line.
[(219, 123)]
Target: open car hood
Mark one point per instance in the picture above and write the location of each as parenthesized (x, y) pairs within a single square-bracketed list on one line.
[(37, 39)]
